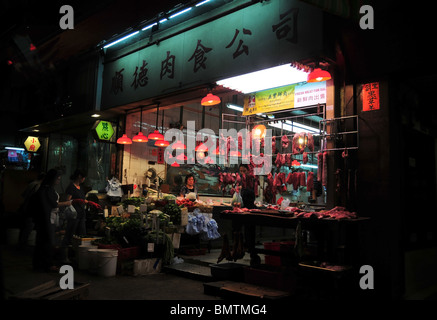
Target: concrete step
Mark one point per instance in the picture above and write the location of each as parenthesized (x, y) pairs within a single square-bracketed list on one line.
[(189, 270), (241, 290)]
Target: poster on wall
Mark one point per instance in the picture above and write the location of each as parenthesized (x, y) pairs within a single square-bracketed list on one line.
[(286, 97)]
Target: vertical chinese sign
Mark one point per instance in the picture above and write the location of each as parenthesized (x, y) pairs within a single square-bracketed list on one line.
[(371, 96)]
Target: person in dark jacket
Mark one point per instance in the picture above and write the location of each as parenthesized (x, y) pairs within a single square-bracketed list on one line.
[(46, 203), (75, 225)]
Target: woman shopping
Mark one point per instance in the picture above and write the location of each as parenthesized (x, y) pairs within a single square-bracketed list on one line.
[(45, 203)]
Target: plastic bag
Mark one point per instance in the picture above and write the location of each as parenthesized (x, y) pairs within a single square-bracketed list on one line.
[(211, 232), (69, 212), (237, 199)]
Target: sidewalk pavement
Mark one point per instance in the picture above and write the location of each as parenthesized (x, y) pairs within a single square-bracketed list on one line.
[(18, 276)]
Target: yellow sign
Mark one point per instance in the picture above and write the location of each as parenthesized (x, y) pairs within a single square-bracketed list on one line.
[(104, 130), (32, 144), (270, 100)]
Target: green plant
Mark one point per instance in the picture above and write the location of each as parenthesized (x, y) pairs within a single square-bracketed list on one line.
[(174, 211)]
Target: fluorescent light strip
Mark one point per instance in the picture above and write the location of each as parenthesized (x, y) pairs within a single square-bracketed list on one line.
[(302, 126), (309, 166), (179, 13), (234, 107), (14, 148), (149, 26), (119, 40), (294, 128), (265, 79), (203, 2)]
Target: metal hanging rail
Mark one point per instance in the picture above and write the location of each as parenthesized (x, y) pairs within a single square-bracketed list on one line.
[(333, 121)]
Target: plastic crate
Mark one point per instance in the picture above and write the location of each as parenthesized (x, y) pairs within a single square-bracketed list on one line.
[(271, 277), (281, 246), (123, 253)]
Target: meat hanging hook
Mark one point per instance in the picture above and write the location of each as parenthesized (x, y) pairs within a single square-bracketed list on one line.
[(345, 153)]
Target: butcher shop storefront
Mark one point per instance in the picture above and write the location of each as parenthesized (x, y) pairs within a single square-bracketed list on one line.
[(244, 97)]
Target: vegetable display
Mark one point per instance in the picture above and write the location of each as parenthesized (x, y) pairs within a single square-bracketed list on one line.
[(174, 211)]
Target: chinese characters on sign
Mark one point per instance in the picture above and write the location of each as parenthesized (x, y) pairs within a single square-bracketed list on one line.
[(310, 94), (292, 96), (140, 79), (283, 27), (241, 48), (117, 82), (168, 65), (104, 130), (199, 56), (32, 144), (371, 96)]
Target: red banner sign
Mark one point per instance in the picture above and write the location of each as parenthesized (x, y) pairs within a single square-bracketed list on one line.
[(371, 96)]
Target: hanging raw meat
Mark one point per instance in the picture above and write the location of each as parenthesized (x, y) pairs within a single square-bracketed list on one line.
[(305, 157), (289, 179), (325, 169), (285, 142), (273, 145), (302, 181), (287, 159), (295, 178), (310, 181), (310, 141), (278, 161), (295, 144), (319, 166)]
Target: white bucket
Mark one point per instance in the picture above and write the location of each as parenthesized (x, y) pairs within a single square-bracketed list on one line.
[(105, 262), (13, 236), (83, 256), (92, 260)]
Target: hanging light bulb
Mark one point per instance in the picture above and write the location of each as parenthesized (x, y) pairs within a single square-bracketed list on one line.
[(124, 140), (259, 131), (210, 100)]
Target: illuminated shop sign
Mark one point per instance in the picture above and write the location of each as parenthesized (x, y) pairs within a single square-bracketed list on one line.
[(263, 35), (286, 97), (32, 144), (104, 130)]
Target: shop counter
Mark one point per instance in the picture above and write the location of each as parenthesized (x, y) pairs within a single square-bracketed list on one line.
[(331, 235)]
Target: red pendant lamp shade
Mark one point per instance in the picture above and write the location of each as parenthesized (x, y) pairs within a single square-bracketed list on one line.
[(124, 140), (318, 75), (156, 135), (179, 145), (162, 143), (210, 100), (140, 137)]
